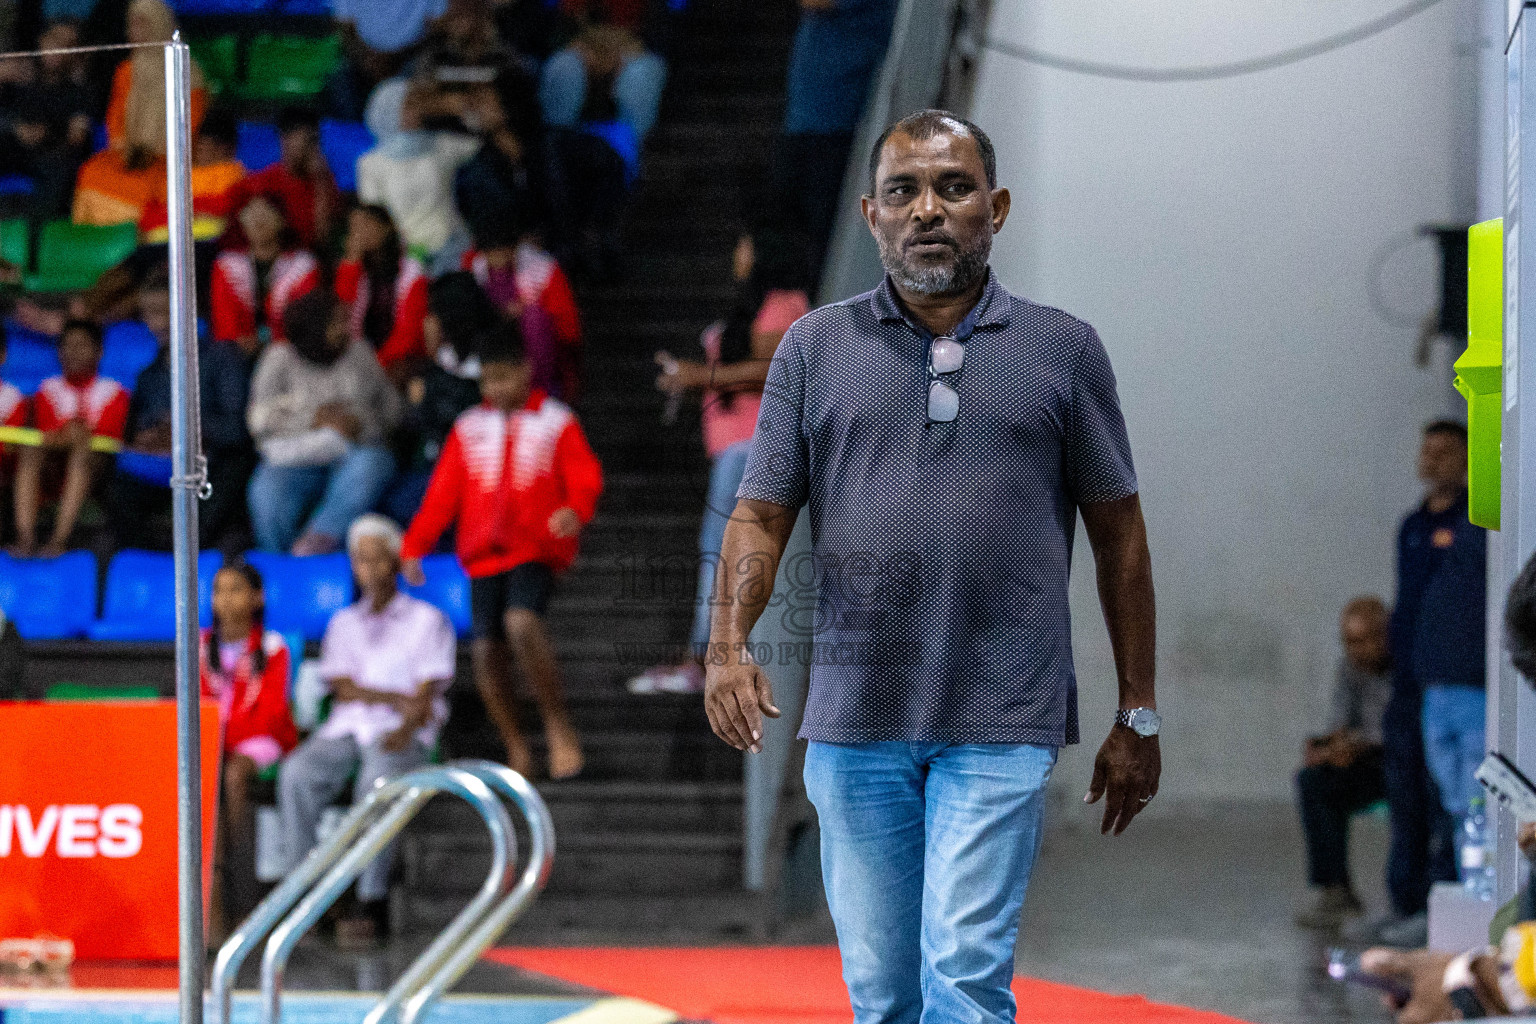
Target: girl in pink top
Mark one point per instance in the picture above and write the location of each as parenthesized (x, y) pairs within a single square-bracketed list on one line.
[(770, 267)]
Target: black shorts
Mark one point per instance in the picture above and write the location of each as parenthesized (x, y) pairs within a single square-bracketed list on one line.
[(523, 586)]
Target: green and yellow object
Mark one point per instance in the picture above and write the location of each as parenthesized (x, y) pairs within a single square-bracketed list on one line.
[(32, 437), (1480, 370)]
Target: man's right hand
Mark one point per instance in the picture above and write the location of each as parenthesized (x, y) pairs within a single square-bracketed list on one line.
[(413, 573), (737, 695)]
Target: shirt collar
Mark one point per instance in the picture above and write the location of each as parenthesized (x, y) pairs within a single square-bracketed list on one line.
[(389, 611), (991, 310)]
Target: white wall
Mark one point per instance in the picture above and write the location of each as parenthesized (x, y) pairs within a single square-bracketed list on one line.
[(1221, 237)]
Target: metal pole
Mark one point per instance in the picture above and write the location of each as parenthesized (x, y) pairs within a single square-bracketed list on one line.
[(186, 486)]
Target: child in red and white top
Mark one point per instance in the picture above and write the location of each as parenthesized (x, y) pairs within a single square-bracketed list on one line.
[(69, 410), (384, 290), (520, 480), (252, 286)]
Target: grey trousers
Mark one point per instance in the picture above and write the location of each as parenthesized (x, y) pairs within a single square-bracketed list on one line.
[(311, 779)]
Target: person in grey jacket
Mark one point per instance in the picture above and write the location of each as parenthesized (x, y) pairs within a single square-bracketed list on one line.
[(321, 411)]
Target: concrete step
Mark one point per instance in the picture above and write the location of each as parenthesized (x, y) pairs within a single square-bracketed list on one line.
[(617, 863), (729, 915), (627, 755), (585, 808)]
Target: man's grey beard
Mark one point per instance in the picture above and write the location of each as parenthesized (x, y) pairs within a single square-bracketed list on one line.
[(968, 267)]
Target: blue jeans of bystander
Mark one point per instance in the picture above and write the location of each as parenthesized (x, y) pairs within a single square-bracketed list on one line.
[(926, 851), (280, 496), (1454, 732)]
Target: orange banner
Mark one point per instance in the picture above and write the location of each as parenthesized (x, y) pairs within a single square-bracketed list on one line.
[(88, 824)]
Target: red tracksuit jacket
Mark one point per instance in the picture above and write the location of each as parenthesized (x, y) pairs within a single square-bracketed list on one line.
[(501, 476)]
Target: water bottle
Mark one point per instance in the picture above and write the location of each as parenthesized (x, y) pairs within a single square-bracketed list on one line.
[(1476, 857)]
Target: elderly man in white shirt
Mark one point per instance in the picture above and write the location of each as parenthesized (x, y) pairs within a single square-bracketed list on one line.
[(388, 660)]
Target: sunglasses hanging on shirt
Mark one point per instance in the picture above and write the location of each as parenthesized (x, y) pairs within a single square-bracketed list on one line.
[(945, 356)]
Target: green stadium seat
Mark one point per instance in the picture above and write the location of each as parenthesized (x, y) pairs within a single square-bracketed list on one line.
[(72, 256), (13, 242), (79, 691), (289, 67), (219, 58)]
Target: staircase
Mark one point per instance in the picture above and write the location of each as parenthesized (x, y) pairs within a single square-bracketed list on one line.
[(649, 839)]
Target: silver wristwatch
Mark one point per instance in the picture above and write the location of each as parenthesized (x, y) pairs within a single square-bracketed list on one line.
[(1143, 722)]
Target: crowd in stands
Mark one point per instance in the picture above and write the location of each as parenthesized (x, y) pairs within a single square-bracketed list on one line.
[(387, 252)]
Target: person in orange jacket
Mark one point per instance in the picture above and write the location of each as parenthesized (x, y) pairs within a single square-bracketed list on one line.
[(520, 479)]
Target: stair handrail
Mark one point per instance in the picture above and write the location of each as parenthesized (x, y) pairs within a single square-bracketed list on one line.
[(541, 857), (280, 900), (405, 796)]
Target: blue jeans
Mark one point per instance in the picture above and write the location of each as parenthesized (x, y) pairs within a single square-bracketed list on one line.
[(724, 478), (636, 90), (926, 850), (1454, 725), (280, 496)]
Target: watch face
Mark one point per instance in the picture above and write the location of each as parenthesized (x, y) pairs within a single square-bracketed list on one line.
[(1145, 722)]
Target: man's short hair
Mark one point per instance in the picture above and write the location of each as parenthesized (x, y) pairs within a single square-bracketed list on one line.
[(221, 125), (90, 328), (501, 343), (293, 118), (926, 124), (1450, 428), (374, 525), (1368, 607), (1520, 622)]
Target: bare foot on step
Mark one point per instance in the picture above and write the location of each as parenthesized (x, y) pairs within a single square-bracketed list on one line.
[(565, 757)]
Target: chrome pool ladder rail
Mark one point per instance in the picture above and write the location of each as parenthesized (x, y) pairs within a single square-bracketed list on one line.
[(361, 835)]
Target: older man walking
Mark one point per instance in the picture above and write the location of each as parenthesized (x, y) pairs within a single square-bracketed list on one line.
[(945, 434)]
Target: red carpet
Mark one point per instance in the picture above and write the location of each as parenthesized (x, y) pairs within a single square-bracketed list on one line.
[(798, 985)]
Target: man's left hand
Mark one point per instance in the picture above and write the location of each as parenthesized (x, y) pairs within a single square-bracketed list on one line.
[(1423, 971), (1126, 772), (396, 741)]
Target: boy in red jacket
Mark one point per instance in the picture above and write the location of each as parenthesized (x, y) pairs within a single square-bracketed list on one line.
[(520, 479)]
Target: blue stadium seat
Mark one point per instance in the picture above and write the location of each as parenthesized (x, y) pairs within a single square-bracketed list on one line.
[(343, 142), (258, 145), (49, 599), (447, 589), (140, 598), (310, 8), (30, 358), (17, 185), (221, 7), (127, 348), (303, 593)]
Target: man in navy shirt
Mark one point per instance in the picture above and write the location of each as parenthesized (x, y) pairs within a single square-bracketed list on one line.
[(945, 436), (1438, 701)]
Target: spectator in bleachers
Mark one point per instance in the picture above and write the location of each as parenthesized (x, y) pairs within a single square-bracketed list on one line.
[(606, 71), (771, 268), (519, 515), (527, 285), (246, 668), (499, 184), (46, 120), (69, 410), (1341, 771), (15, 411), (410, 172), (381, 36), (301, 182), (116, 184), (465, 45), (838, 49), (252, 286), (141, 502), (216, 179), (384, 290), (321, 409), (599, 98), (388, 660), (440, 389)]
